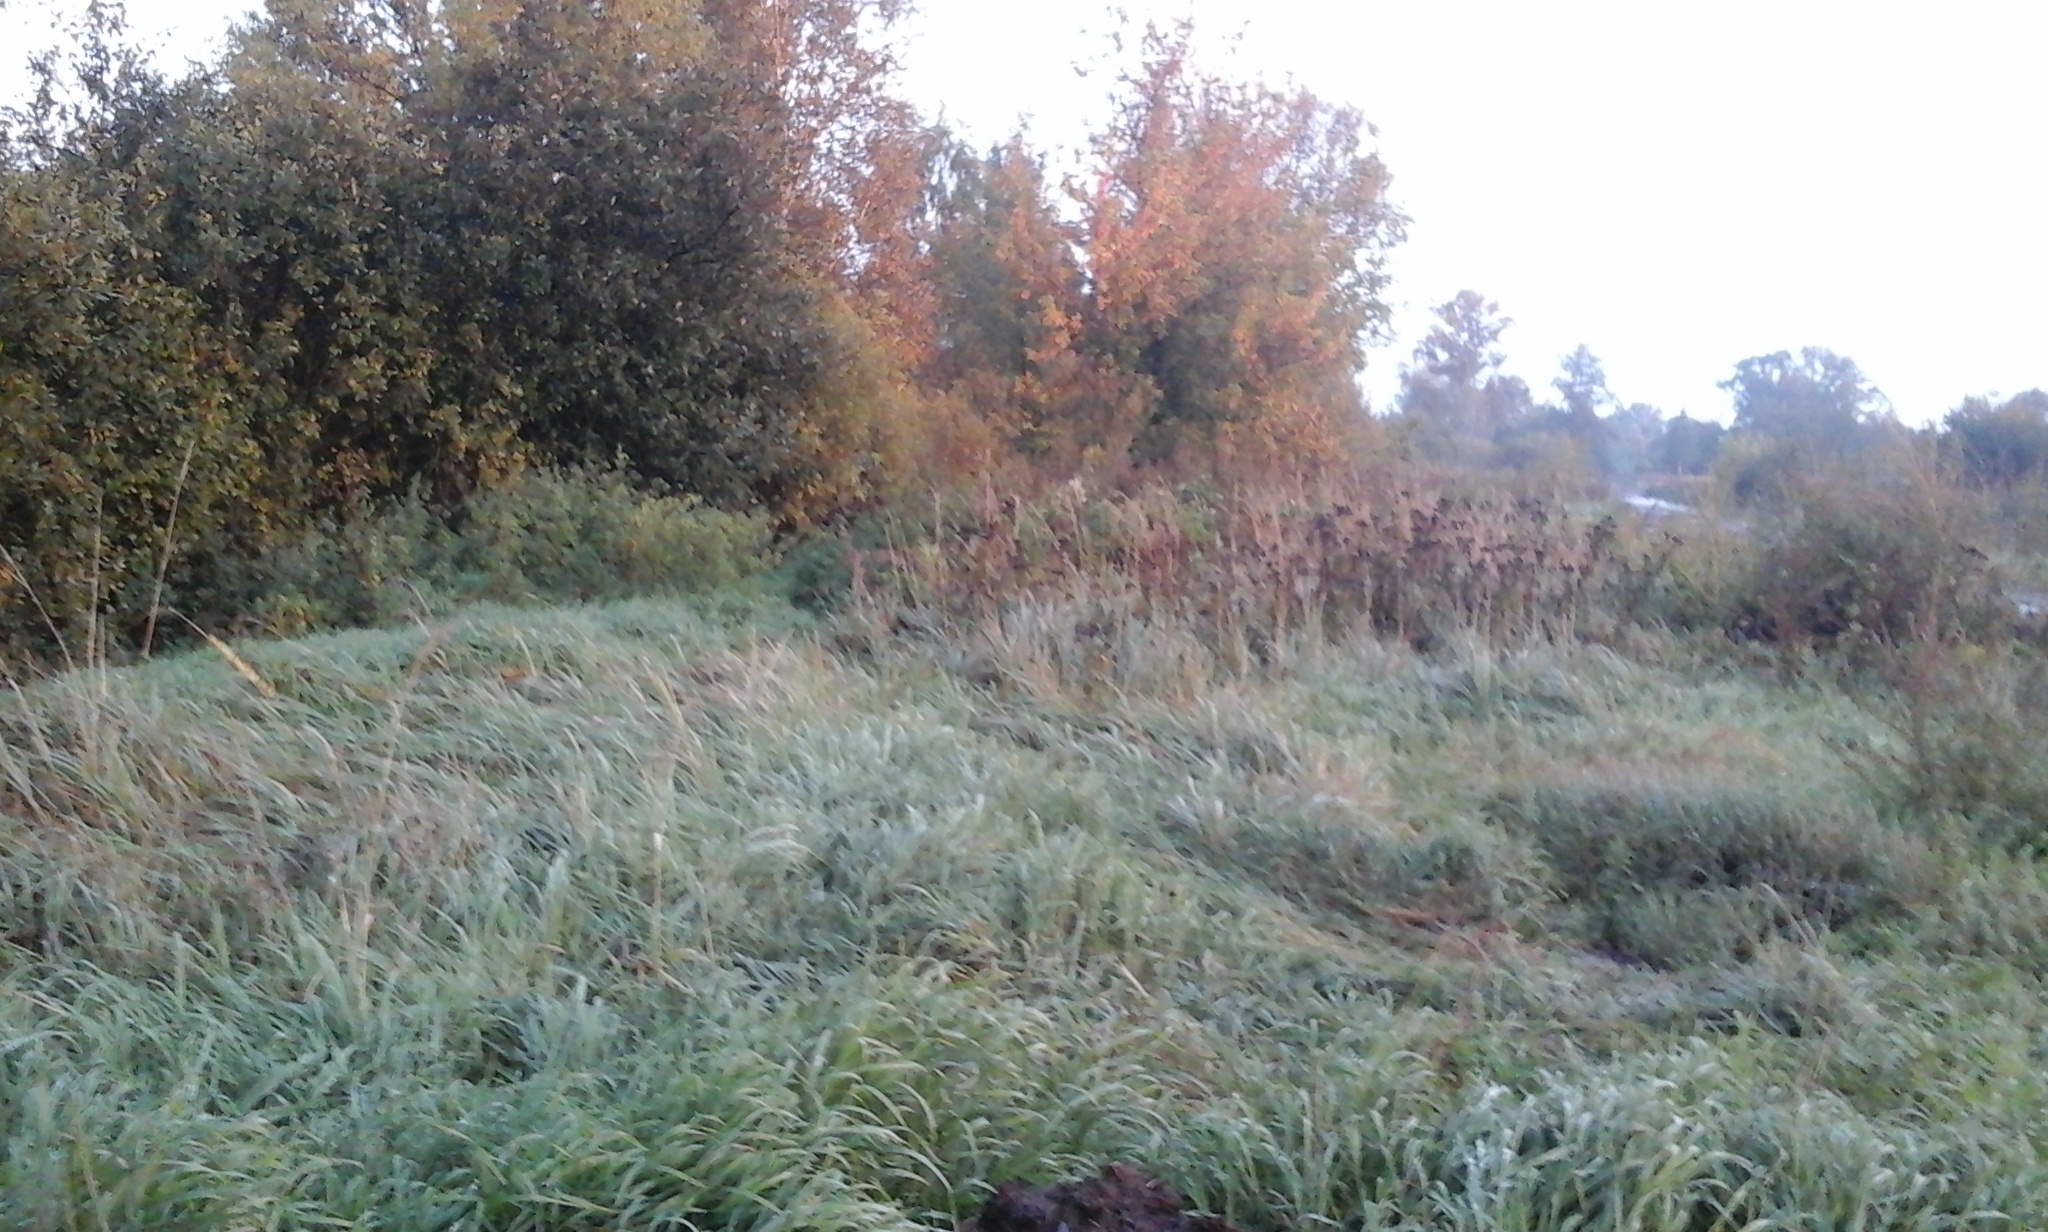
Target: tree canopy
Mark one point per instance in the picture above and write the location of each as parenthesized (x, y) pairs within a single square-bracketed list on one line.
[(2001, 442), (1817, 399), (397, 248), (1455, 387)]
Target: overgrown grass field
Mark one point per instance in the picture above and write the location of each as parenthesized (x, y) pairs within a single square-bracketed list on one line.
[(713, 914)]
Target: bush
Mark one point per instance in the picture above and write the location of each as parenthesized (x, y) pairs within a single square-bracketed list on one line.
[(592, 536), (1252, 569), (1678, 874), (120, 437), (1709, 581), (1885, 558), (1755, 472), (1970, 738), (544, 536)]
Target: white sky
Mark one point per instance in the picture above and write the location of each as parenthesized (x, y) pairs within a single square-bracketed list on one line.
[(1677, 185)]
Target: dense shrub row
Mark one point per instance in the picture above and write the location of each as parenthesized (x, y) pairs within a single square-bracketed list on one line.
[(384, 257), (387, 253)]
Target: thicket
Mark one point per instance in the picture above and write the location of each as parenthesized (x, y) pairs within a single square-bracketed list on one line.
[(380, 252), (389, 251), (288, 328), (538, 537)]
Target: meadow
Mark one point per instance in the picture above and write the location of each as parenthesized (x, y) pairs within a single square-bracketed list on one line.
[(716, 911), (605, 626)]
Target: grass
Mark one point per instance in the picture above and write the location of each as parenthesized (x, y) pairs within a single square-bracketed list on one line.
[(708, 914)]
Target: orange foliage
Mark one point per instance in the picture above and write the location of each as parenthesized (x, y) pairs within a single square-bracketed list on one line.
[(1202, 311)]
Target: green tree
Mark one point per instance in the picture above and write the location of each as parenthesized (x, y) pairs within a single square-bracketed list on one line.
[(445, 240), (1582, 383), (2000, 443), (1626, 439), (389, 246), (1818, 400), (612, 219), (1687, 446), (1455, 389), (121, 440)]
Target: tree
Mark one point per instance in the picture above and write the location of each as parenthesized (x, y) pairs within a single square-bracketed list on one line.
[(2000, 443), (1687, 446), (447, 240), (121, 439), (614, 203), (848, 156), (1626, 438), (1010, 297), (1201, 305), (1461, 350), (1582, 383), (1455, 388), (1819, 401), (1233, 240)]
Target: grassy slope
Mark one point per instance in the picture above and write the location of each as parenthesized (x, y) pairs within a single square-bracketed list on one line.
[(656, 915)]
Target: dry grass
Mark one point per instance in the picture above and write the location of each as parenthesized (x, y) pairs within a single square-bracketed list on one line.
[(1250, 572)]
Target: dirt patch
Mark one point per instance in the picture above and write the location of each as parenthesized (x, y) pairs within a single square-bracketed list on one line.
[(1120, 1199)]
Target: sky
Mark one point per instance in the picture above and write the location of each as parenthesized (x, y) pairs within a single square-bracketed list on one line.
[(1676, 185)]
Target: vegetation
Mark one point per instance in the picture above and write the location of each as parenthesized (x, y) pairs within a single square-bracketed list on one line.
[(653, 913), (603, 629)]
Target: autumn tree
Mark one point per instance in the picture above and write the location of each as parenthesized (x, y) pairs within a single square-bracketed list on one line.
[(1197, 303), (849, 155), (1010, 306), (1233, 238)]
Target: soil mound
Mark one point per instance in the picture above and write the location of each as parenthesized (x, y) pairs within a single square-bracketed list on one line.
[(1120, 1199)]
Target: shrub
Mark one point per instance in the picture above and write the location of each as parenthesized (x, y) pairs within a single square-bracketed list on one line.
[(1884, 557), (591, 536), (543, 536), (1710, 578), (1251, 570), (1970, 737), (120, 433), (1755, 472), (1679, 874)]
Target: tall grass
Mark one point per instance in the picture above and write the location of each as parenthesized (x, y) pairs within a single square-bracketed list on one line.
[(1249, 570), (706, 915)]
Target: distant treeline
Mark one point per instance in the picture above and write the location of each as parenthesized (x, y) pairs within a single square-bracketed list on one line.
[(1795, 414), (397, 252)]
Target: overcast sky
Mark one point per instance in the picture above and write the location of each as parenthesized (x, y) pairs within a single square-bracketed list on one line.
[(1676, 185)]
